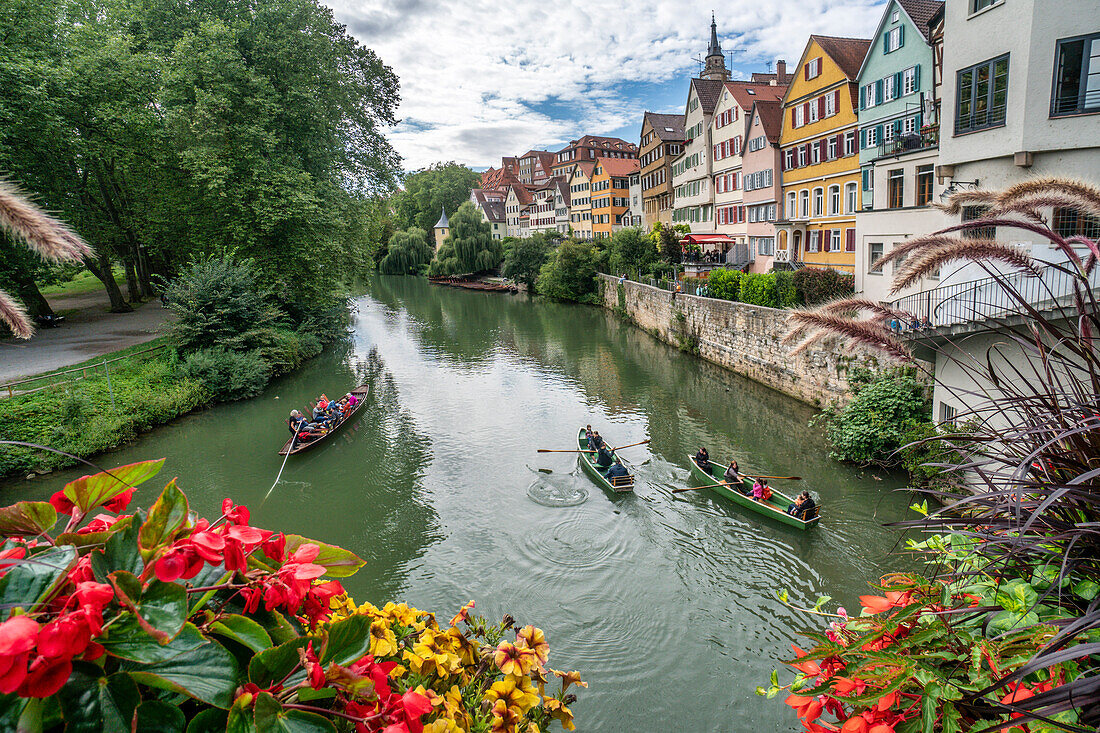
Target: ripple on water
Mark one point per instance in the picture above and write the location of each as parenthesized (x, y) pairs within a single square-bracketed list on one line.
[(556, 491), (584, 539)]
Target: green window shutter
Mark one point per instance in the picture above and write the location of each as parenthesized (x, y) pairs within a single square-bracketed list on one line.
[(916, 77), (886, 42), (901, 35), (898, 89), (878, 90)]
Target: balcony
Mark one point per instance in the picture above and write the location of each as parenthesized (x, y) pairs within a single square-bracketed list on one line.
[(927, 139)]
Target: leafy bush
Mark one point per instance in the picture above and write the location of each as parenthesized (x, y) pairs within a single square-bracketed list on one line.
[(815, 285), (218, 302), (524, 259), (874, 424), (571, 273), (631, 250), (407, 254), (290, 349), (924, 444), (227, 375), (785, 291), (725, 284), (469, 247), (161, 620)]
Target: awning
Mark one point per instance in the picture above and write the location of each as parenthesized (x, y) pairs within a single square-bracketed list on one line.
[(707, 239)]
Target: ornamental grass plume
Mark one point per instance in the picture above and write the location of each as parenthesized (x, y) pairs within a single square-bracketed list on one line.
[(872, 334), (42, 233), (975, 250)]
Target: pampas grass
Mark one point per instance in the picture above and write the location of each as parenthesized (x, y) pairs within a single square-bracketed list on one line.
[(872, 334), (42, 233), (975, 250)]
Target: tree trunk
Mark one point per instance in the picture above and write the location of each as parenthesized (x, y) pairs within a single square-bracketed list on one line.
[(132, 281), (101, 268), (33, 300)]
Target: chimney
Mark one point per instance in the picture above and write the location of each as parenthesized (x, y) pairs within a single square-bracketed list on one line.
[(780, 71)]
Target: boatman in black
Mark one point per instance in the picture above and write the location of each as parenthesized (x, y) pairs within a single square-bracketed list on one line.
[(703, 459), (617, 470), (604, 458)]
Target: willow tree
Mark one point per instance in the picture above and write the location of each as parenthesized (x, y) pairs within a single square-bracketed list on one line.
[(469, 248), (408, 252)]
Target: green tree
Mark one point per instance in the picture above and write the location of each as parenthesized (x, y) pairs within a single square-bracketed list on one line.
[(525, 258), (631, 249), (667, 241), (469, 247), (428, 191), (407, 254), (571, 273)]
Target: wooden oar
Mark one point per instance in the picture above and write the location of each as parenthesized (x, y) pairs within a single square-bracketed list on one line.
[(783, 478), (551, 450), (708, 486), (631, 445)]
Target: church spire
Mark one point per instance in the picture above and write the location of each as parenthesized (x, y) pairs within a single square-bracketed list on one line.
[(715, 64)]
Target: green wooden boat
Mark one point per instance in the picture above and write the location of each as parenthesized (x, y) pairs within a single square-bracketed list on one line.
[(775, 507), (620, 484)]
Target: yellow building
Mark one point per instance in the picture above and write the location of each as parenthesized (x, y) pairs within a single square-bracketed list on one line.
[(820, 156), (580, 199), (611, 194)]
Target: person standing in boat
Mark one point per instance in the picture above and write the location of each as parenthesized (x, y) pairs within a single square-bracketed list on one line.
[(703, 459), (617, 470)]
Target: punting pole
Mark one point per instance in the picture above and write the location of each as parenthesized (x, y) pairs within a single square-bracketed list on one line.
[(288, 450)]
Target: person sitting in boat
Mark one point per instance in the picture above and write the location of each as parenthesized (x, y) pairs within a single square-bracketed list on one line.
[(733, 477), (352, 400), (595, 442), (803, 507), (761, 491), (604, 459), (617, 470), (703, 459), (588, 433), (297, 422)]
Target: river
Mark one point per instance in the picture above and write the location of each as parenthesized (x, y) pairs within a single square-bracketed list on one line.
[(665, 603)]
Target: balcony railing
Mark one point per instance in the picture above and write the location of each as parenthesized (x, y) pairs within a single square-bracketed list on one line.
[(990, 298), (910, 143)]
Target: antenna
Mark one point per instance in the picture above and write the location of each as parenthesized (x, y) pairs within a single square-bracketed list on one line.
[(699, 61), (768, 66)]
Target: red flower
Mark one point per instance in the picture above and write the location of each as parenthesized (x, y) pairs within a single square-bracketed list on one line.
[(61, 503), (66, 636), (46, 677), (275, 548), (1017, 692), (878, 604), (182, 561), (313, 667), (316, 602), (209, 546), (235, 515), (17, 638), (101, 523), (119, 501), (8, 556)]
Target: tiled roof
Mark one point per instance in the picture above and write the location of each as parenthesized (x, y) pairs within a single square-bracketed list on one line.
[(708, 90), (771, 118), (522, 194), (848, 53), (746, 92), (921, 11), (606, 143), (494, 211), (563, 189), (667, 127), (619, 166), (762, 78), (586, 166)]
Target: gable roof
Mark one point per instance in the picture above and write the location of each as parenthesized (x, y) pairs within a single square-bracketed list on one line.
[(584, 166), (746, 92), (920, 12), (606, 143), (771, 117), (668, 128), (522, 194), (618, 166), (708, 91), (846, 53), (759, 77), (563, 189), (494, 211)]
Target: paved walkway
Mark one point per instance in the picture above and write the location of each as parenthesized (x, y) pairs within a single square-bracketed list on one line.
[(88, 331)]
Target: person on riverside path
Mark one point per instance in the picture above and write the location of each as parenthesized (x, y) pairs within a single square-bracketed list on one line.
[(703, 459), (617, 470), (604, 459)]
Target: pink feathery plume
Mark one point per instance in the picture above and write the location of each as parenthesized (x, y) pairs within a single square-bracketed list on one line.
[(44, 234), (1086, 195), (956, 201), (916, 243), (848, 305), (975, 250), (871, 334), (13, 314)]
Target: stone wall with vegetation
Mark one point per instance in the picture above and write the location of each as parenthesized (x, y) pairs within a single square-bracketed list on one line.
[(744, 338)]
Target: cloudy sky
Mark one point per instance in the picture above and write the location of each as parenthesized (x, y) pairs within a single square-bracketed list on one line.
[(482, 79)]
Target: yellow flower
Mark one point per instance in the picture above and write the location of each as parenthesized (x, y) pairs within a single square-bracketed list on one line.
[(429, 650), (569, 678), (534, 640), (559, 712), (369, 609), (452, 703), (383, 643), (466, 650), (401, 613), (512, 659), (463, 614), (443, 725), (398, 672), (504, 718), (518, 693)]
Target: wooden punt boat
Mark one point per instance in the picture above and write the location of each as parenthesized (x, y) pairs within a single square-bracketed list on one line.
[(619, 484), (775, 508), (459, 282), (361, 394)]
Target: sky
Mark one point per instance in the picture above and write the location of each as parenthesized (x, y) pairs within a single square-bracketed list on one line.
[(483, 79)]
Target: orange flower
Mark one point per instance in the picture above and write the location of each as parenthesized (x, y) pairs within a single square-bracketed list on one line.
[(512, 659), (463, 614), (855, 725), (810, 669), (534, 640), (878, 604)]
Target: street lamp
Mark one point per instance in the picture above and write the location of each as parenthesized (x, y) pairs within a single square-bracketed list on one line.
[(956, 186)]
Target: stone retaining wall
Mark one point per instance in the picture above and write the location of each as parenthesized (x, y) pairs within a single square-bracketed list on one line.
[(746, 339)]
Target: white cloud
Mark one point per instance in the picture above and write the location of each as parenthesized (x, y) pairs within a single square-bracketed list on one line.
[(482, 79)]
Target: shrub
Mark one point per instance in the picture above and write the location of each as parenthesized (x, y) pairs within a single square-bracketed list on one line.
[(469, 247), (163, 620), (725, 284), (785, 292), (524, 259), (571, 273), (926, 444), (227, 375), (631, 249), (814, 285), (219, 303), (290, 349), (408, 252), (872, 427)]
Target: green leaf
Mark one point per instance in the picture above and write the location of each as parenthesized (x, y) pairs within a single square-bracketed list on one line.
[(155, 716), (348, 640), (92, 702), (93, 538), (1087, 589), (208, 576), (210, 720), (775, 678), (306, 694), (821, 602), (270, 716), (242, 630), (240, 716), (126, 639), (161, 606), (165, 516), (339, 562), (203, 669), (11, 709), (36, 577), (782, 595), (89, 492), (31, 719), (761, 691), (276, 663), (27, 518), (929, 708)]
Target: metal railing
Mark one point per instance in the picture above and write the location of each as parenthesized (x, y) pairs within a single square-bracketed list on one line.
[(53, 379), (992, 297), (909, 143)]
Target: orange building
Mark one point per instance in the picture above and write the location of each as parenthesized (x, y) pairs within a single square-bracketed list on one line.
[(820, 156), (611, 194)]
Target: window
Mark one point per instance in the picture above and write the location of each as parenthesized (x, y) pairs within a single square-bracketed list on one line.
[(819, 201), (815, 241), (813, 68), (947, 414), (799, 116), (909, 80), (1077, 76), (970, 213), (804, 204), (1068, 222), (834, 201), (888, 91), (888, 132), (792, 205), (893, 39), (871, 134), (895, 188), (874, 254), (977, 6), (870, 97), (765, 246), (909, 126), (924, 185), (850, 142), (982, 96), (894, 16), (850, 197), (813, 110), (832, 148), (801, 156), (815, 152)]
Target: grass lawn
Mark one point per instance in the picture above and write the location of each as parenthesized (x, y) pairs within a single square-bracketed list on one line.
[(40, 380), (84, 282)]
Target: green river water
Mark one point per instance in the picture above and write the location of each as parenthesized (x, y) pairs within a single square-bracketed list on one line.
[(665, 603)]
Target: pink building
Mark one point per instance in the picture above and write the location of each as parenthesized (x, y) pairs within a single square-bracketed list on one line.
[(762, 180)]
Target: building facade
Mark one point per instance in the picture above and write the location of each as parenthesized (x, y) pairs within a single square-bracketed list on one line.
[(515, 208), (820, 156), (580, 199), (588, 148), (610, 192), (662, 140), (761, 165), (693, 196), (899, 135)]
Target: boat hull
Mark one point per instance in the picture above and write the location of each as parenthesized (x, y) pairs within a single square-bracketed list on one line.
[(775, 508), (588, 462), (361, 393)]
